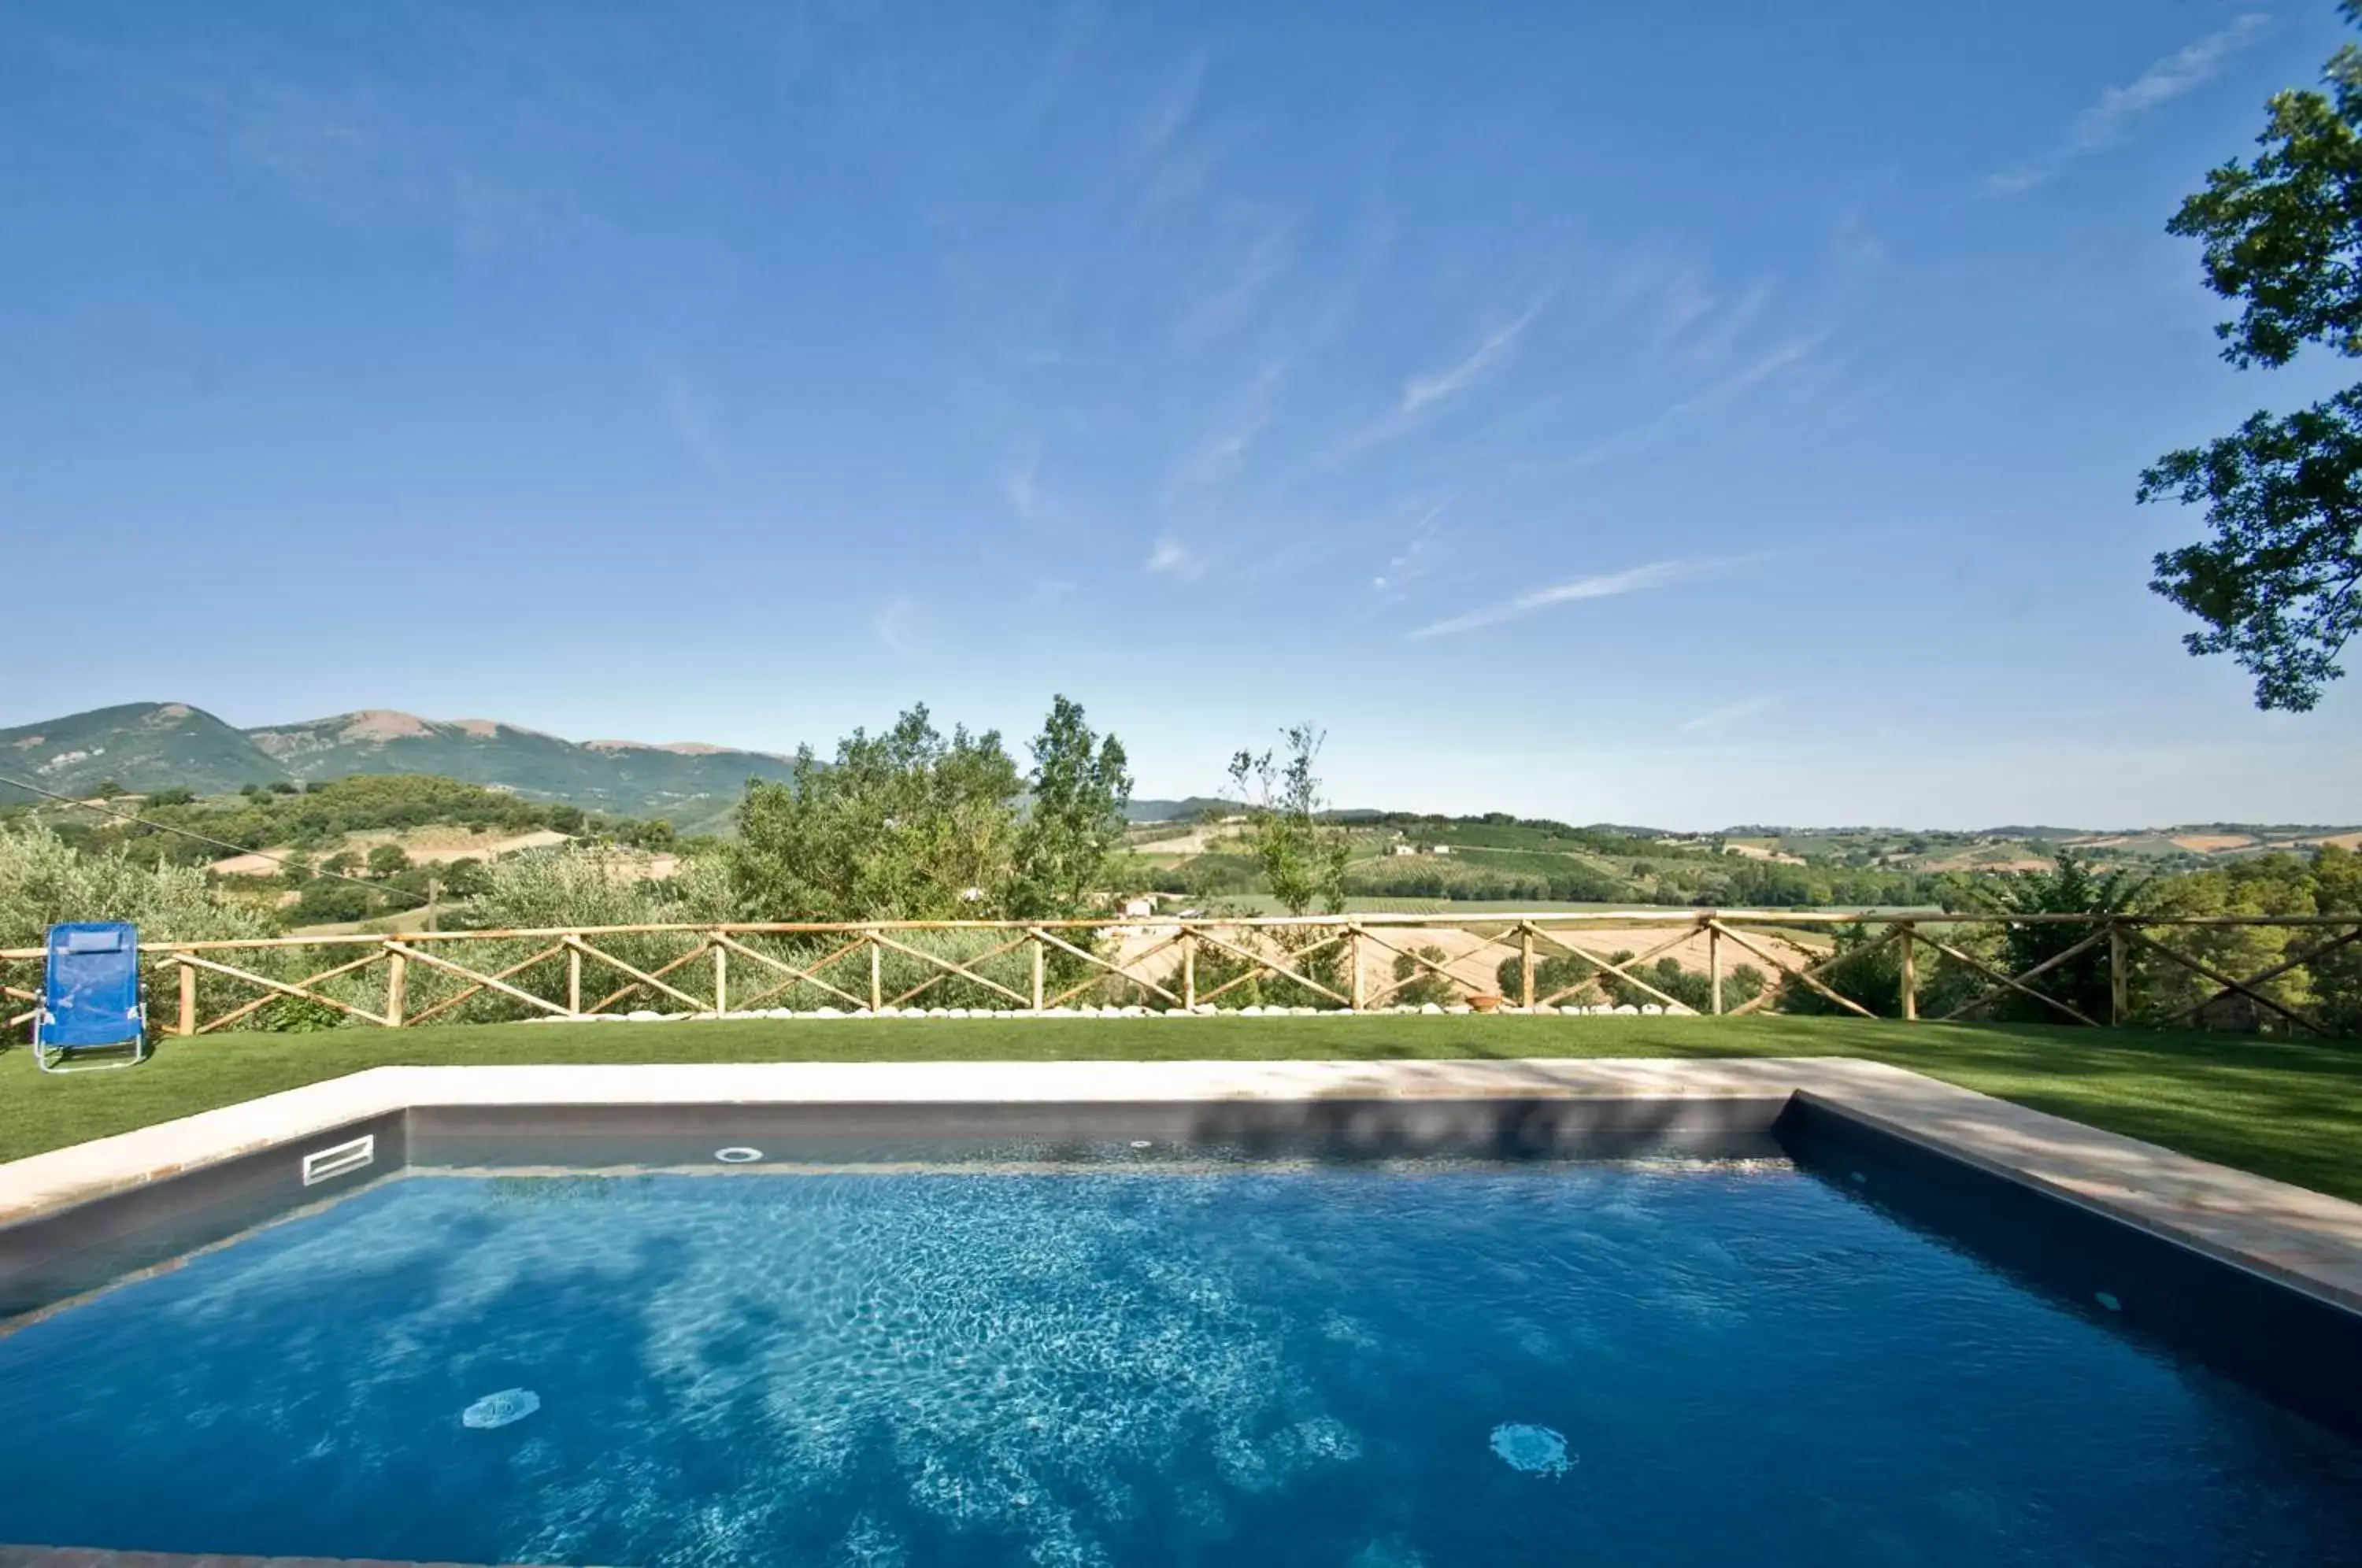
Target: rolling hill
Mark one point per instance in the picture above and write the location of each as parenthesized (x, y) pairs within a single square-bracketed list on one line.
[(146, 746), (1186, 810), (141, 745)]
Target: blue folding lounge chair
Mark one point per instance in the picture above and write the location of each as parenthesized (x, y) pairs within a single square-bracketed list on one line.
[(90, 997)]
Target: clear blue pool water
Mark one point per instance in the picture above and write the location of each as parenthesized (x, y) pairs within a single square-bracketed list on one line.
[(1365, 1367)]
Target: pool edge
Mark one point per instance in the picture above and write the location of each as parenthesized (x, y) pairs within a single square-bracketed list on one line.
[(2298, 1238)]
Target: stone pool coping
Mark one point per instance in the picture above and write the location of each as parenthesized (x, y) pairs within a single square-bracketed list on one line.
[(2289, 1233)]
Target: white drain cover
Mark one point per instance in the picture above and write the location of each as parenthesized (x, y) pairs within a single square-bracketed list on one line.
[(500, 1410), (1536, 1450)]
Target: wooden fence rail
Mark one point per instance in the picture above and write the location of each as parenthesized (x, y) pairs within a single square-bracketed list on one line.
[(1360, 963)]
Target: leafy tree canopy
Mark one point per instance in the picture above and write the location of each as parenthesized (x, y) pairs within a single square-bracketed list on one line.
[(2277, 582), (908, 825), (1080, 786), (1302, 857)]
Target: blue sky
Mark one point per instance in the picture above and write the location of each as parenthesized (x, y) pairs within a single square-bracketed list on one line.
[(1683, 415)]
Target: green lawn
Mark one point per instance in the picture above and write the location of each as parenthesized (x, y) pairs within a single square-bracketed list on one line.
[(2288, 1110)]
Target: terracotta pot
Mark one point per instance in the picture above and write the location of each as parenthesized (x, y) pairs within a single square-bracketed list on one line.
[(1485, 1003)]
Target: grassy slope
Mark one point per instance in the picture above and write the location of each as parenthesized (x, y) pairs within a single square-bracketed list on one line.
[(2287, 1111)]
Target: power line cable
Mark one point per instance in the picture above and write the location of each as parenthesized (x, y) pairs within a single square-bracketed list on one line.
[(216, 842)]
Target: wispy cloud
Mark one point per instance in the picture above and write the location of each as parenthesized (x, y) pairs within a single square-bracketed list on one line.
[(1604, 585), (1499, 346), (1677, 300), (1719, 333), (2110, 120), (1730, 714), (1021, 486), (1221, 309), (1171, 111), (898, 627), (1681, 314), (1429, 391), (1769, 365), (1181, 148), (1411, 562), (1224, 451), (1190, 165), (691, 418), (1173, 558)]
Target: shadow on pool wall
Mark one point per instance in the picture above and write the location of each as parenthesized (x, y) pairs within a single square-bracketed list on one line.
[(1604, 1128), (73, 1251), (2297, 1349)]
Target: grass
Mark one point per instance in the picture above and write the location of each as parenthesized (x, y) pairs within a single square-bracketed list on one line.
[(2280, 1109)]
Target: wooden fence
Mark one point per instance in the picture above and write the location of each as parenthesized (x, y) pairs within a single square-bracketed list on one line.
[(1357, 963)]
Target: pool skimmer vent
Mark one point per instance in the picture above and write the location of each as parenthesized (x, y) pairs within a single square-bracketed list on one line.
[(338, 1159), (737, 1155)]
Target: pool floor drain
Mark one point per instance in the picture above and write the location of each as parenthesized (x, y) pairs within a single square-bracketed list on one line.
[(737, 1155), (1537, 1450), (503, 1408)]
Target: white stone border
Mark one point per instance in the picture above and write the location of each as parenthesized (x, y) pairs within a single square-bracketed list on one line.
[(2299, 1237), (1130, 1010)]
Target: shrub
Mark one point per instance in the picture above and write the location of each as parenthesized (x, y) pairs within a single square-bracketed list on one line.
[(299, 1015), (43, 881), (2069, 887), (1420, 985), (575, 886), (1692, 987), (1873, 981), (328, 901), (1291, 945)]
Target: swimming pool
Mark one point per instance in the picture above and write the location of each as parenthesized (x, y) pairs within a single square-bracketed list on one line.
[(1103, 1355)]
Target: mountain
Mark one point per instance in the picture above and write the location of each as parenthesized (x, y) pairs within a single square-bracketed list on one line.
[(140, 746), (626, 777), (146, 746), (1175, 810)]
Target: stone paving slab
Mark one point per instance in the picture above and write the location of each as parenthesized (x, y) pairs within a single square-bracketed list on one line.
[(2300, 1237)]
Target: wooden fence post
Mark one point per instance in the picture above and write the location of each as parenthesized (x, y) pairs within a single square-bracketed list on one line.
[(1910, 983), (876, 974), (397, 982), (573, 975), (1189, 972), (1714, 967), (188, 999), (2120, 979), (1356, 991), (720, 979), (1036, 945), (1526, 965)]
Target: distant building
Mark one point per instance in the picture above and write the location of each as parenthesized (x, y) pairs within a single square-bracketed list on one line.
[(1405, 849), (1139, 908), (1443, 849)]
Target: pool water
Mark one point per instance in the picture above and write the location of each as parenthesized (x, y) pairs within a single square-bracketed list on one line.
[(1418, 1364)]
